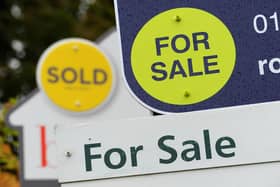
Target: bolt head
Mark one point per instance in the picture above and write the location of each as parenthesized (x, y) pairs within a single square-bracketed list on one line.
[(75, 48), (177, 18), (187, 94), (68, 154)]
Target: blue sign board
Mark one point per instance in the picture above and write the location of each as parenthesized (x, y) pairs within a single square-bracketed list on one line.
[(209, 54)]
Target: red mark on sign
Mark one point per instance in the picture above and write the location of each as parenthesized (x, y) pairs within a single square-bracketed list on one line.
[(44, 161)]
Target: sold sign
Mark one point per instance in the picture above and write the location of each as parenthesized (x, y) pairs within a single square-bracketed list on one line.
[(75, 75)]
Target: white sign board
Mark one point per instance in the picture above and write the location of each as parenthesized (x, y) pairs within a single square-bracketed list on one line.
[(260, 175), (198, 140), (39, 118)]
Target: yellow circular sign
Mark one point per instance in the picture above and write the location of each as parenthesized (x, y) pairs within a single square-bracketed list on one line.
[(75, 75), (183, 56)]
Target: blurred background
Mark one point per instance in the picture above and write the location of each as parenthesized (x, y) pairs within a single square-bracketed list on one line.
[(27, 28)]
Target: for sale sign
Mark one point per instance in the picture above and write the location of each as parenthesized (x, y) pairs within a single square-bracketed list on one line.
[(181, 56), (233, 136)]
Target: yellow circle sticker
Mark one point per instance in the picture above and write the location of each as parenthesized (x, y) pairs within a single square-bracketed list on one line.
[(75, 75), (183, 56)]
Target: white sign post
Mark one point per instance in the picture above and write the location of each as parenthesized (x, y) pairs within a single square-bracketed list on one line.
[(38, 117), (238, 136)]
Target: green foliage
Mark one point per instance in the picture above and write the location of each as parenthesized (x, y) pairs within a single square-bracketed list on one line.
[(37, 24), (8, 143)]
